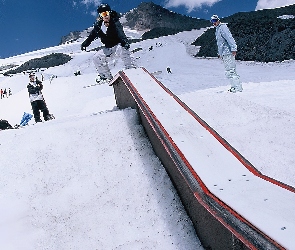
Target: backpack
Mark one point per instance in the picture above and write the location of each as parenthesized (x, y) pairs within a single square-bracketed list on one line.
[(5, 125)]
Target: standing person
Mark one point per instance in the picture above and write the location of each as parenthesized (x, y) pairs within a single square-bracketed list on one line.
[(110, 31), (37, 100), (227, 50), (1, 92)]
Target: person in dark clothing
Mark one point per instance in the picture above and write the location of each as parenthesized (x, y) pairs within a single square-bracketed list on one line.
[(37, 100), (110, 31), (4, 124)]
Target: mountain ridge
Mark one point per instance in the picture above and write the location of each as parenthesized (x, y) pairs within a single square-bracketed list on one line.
[(260, 35)]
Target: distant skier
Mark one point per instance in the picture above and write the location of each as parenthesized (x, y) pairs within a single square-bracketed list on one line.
[(37, 100), (77, 73), (4, 93), (227, 50), (51, 78), (110, 31)]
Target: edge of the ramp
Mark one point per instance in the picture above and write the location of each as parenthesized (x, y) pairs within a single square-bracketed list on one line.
[(217, 225)]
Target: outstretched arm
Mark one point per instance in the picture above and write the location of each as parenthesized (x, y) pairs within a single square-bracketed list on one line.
[(96, 32)]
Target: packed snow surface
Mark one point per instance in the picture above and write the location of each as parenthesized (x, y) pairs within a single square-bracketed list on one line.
[(90, 180)]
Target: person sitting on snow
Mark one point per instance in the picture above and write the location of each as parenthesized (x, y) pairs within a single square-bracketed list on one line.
[(4, 124), (110, 31), (37, 100)]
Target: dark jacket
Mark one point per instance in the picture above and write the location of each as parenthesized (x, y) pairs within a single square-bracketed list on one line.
[(35, 89), (113, 36), (5, 125)]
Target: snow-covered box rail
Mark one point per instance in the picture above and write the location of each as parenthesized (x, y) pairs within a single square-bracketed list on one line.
[(231, 204)]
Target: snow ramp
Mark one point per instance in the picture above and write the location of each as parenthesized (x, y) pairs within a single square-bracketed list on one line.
[(231, 204)]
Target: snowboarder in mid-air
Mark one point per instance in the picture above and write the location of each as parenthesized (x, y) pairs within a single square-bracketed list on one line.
[(37, 100), (110, 31)]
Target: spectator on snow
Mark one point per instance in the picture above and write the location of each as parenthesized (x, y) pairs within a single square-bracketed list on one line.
[(169, 70), (37, 100), (110, 31), (1, 92), (4, 124), (9, 92), (227, 50)]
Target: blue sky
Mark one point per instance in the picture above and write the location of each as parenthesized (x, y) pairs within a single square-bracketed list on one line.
[(27, 25)]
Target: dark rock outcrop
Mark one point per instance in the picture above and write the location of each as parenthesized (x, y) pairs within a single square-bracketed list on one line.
[(160, 21), (54, 59), (264, 36)]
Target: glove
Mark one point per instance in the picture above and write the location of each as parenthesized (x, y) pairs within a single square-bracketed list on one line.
[(126, 46)]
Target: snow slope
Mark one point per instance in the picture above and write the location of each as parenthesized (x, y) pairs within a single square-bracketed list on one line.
[(89, 179)]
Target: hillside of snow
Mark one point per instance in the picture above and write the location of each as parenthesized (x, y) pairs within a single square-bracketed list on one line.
[(90, 180)]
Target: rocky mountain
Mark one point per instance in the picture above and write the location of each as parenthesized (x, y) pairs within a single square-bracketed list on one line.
[(159, 21), (154, 19), (72, 36), (264, 35)]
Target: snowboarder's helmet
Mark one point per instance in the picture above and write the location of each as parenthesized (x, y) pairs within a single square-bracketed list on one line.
[(214, 19), (103, 7)]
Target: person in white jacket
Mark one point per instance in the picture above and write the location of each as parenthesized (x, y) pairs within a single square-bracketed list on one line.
[(227, 50)]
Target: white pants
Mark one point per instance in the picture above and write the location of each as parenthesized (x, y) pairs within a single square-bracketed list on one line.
[(230, 71), (106, 56)]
